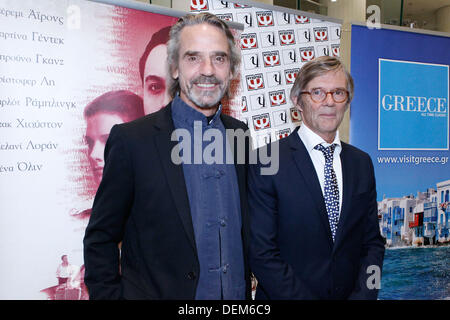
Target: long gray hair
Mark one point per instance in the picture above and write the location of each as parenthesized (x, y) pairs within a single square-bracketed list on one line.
[(173, 45)]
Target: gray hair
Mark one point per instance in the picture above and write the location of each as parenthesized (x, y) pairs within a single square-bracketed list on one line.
[(317, 68), (173, 45)]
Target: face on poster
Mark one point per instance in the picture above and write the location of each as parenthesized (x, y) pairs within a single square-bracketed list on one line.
[(69, 71)]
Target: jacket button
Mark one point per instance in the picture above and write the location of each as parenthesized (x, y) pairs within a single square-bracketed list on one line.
[(191, 275)]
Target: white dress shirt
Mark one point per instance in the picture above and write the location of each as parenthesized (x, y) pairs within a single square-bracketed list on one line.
[(310, 139)]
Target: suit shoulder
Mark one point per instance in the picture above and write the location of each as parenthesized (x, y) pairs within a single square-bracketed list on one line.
[(282, 146), (145, 124), (233, 123), (355, 152), (139, 122), (278, 148), (284, 142)]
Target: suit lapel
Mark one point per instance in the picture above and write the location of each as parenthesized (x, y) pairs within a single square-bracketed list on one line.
[(307, 170), (174, 173)]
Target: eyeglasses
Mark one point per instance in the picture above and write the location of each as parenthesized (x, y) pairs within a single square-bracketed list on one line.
[(319, 95)]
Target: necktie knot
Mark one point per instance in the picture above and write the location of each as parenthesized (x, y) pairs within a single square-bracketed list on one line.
[(327, 151)]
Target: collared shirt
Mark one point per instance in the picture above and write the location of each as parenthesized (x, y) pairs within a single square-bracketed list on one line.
[(214, 201), (310, 140), (66, 271)]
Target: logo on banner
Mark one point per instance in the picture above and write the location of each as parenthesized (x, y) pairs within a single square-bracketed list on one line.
[(279, 117), (277, 98), (287, 37), (290, 75), (307, 54), (241, 6), (289, 56), (265, 18), (225, 16), (251, 61), (413, 106), (248, 41), (283, 133), (335, 50), (320, 34), (258, 101), (244, 104), (267, 39), (283, 18), (199, 5), (304, 35), (261, 121), (295, 115), (263, 139), (245, 18), (301, 19), (271, 58), (255, 82), (274, 79), (335, 32), (218, 5), (323, 51)]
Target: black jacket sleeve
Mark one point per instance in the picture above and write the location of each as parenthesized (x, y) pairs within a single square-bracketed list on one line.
[(112, 205)]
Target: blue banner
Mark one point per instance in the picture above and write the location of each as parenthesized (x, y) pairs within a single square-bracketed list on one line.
[(411, 105), (400, 116)]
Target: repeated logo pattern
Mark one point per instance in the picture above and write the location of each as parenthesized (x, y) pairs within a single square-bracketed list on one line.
[(274, 45)]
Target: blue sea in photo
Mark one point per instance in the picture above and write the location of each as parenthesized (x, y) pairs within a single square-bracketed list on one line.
[(416, 273)]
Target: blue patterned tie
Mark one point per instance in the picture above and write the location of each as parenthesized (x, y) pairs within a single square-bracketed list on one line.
[(331, 187)]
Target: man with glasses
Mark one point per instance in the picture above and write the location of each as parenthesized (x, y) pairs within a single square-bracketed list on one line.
[(314, 231)]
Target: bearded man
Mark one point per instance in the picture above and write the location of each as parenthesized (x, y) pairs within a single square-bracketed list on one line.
[(183, 227)]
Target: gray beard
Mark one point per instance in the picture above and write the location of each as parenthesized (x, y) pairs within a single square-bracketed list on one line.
[(198, 99)]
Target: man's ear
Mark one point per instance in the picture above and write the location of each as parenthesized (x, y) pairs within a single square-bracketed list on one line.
[(174, 73), (297, 103)]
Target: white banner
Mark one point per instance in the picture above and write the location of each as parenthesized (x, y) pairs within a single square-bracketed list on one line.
[(275, 43), (56, 58)]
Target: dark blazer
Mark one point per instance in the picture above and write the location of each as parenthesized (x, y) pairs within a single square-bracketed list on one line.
[(142, 202), (292, 253)]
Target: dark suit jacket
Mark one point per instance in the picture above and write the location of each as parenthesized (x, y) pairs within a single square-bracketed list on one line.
[(292, 253), (142, 201)]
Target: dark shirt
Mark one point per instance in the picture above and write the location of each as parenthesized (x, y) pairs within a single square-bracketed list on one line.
[(215, 208)]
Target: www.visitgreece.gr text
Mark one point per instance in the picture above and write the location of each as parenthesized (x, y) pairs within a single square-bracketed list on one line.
[(409, 159)]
